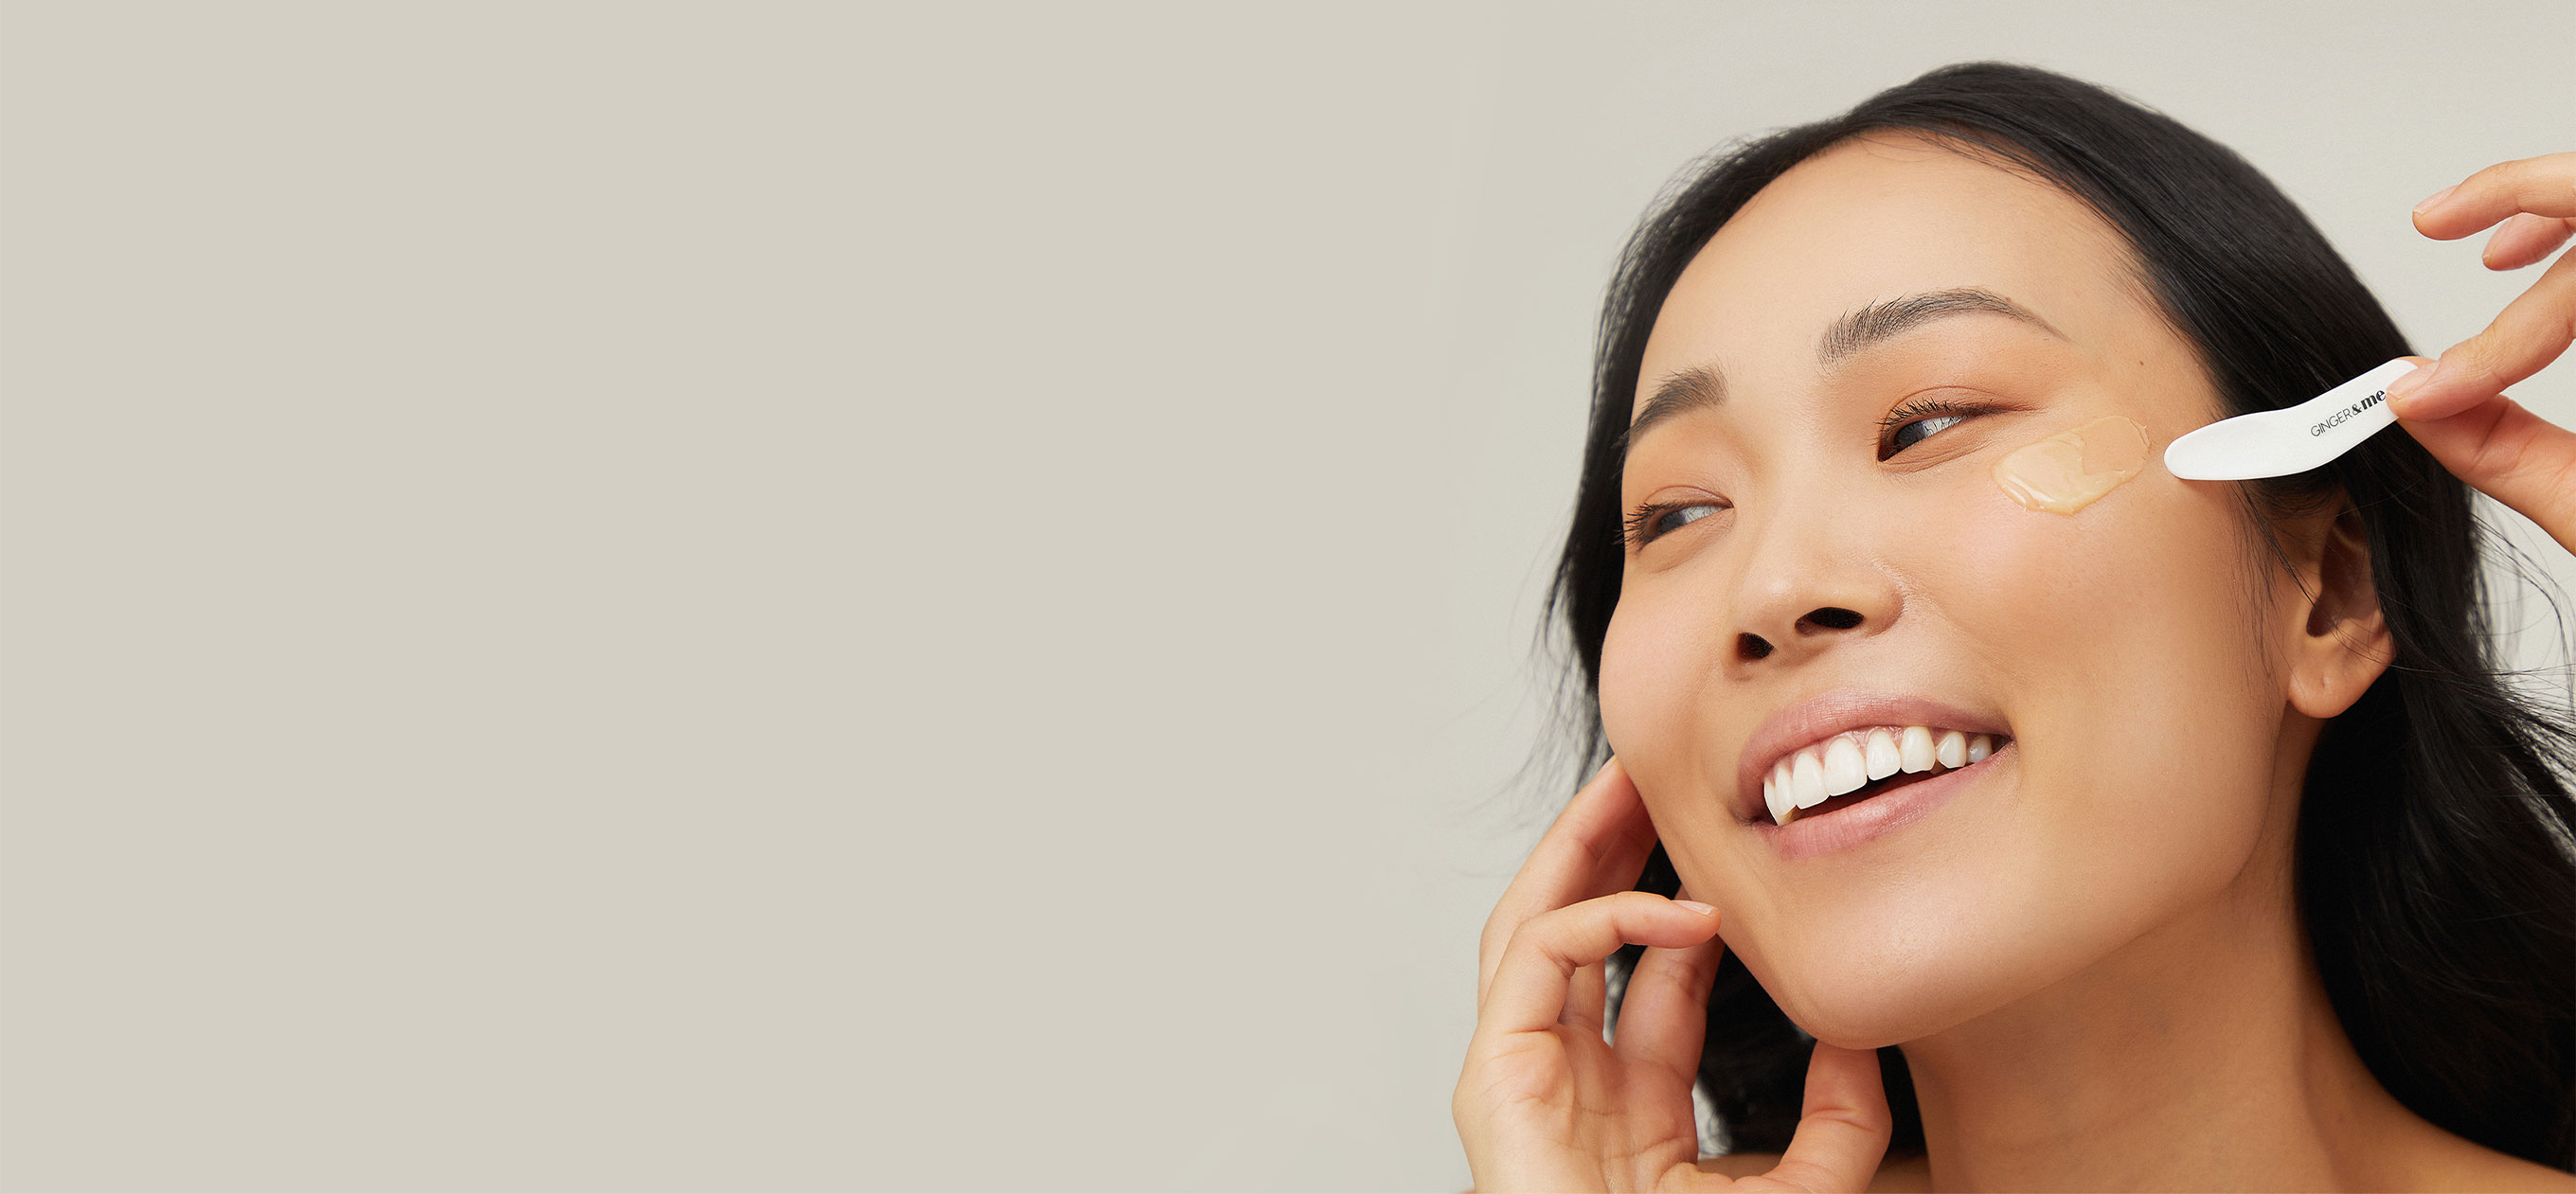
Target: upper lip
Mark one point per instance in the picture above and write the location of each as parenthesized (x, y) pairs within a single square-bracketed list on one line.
[(1810, 721)]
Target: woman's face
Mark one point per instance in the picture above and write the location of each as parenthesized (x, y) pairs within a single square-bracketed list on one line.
[(2121, 652)]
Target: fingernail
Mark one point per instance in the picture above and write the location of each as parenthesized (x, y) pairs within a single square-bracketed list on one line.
[(2436, 200), (2486, 256), (2400, 389), (1696, 906)]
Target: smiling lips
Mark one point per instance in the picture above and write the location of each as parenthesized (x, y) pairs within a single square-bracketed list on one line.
[(1848, 739), (1853, 759)]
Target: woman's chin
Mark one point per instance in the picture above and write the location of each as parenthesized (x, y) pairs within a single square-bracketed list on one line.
[(1873, 1019), (1862, 990)]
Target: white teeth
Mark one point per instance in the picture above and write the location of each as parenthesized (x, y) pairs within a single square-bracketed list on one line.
[(1807, 780), (1881, 755), (1854, 759), (1843, 770), (1916, 750)]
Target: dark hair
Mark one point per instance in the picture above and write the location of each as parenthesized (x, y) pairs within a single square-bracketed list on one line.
[(2439, 891)]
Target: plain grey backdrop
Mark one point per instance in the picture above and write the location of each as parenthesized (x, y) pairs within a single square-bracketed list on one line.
[(777, 596)]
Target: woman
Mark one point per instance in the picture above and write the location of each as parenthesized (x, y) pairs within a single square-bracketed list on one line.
[(2183, 836)]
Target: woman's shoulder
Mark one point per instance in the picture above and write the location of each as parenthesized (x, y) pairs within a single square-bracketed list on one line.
[(2425, 1156), (1901, 1175), (2477, 1167), (2471, 1168), (1907, 1173)]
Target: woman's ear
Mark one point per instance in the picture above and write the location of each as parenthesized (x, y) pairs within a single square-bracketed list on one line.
[(2341, 643)]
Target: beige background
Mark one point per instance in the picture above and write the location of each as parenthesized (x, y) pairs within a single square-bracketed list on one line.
[(840, 597)]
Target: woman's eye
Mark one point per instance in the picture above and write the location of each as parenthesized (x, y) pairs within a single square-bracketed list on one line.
[(1681, 516), (1898, 442), (1651, 522), (1917, 421)]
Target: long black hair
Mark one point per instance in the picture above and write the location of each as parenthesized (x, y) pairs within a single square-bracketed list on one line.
[(2436, 876)]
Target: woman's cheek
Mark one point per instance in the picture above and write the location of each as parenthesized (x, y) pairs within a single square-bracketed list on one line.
[(1645, 653), (2118, 639), (1652, 695), (2011, 562)]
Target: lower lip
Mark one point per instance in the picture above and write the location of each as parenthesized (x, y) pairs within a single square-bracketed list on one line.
[(1876, 817)]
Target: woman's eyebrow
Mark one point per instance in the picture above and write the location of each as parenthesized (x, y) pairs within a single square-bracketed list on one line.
[(1702, 387)]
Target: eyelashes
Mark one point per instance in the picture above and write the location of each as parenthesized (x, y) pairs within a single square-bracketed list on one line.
[(1645, 524), (1920, 412)]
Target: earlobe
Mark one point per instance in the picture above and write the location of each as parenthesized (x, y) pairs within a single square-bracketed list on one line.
[(2345, 643)]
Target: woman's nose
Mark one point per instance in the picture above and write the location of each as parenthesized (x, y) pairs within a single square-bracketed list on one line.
[(1823, 619), (1808, 587)]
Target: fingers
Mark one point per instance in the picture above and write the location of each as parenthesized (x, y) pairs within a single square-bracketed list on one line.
[(1531, 985), (1843, 1127), (1663, 1020), (1585, 1003), (1598, 845), (2511, 455), (2524, 239), (2457, 408), (2545, 185), (2529, 333)]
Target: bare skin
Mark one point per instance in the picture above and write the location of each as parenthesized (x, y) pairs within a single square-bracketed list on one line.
[(2091, 959)]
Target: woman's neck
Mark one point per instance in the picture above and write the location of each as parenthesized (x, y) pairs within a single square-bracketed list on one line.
[(2201, 1056)]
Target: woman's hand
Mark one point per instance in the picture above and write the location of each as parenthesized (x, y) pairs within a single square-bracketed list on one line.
[(2458, 409), (1543, 1104)]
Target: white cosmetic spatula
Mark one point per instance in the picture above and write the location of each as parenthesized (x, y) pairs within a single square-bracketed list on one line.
[(2277, 443)]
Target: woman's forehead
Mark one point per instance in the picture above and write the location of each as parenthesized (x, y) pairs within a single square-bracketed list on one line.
[(1873, 221)]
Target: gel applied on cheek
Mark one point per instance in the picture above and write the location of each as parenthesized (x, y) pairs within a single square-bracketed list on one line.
[(2069, 470)]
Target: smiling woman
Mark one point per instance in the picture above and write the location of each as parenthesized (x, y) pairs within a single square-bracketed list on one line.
[(2152, 833)]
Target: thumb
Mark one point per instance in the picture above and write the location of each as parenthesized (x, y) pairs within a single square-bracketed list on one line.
[(2508, 453), (1844, 1125)]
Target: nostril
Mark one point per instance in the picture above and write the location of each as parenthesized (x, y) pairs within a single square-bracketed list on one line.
[(1833, 618), (1751, 646)]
